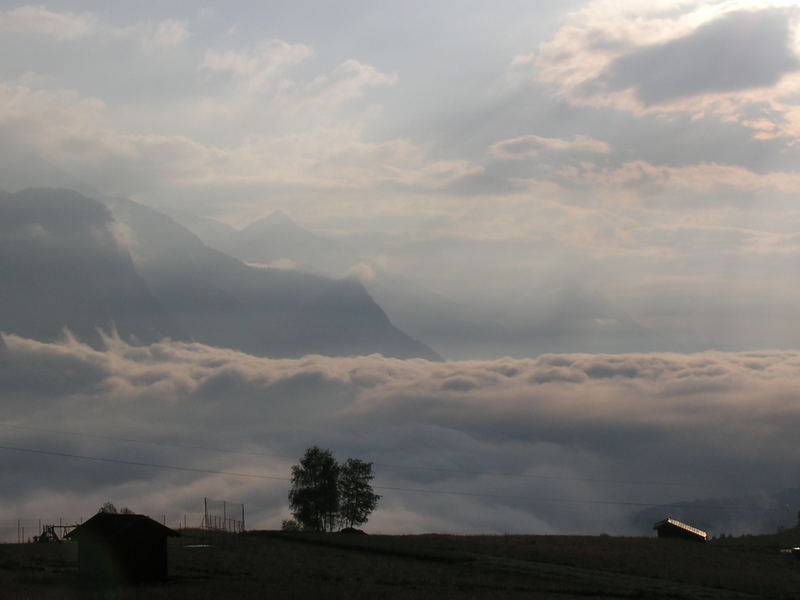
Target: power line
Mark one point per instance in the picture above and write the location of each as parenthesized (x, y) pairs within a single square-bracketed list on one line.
[(387, 488), (377, 464), (141, 464)]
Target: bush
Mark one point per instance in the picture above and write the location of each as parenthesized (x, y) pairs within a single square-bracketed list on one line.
[(290, 525)]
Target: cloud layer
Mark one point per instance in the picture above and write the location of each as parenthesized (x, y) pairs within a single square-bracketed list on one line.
[(562, 443)]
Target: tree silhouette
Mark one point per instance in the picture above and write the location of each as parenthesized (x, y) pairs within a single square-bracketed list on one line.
[(314, 497), (325, 494), (109, 507), (356, 498)]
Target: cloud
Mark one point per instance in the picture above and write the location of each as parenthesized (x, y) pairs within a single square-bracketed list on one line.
[(260, 93), (531, 146), (348, 80), (68, 26), (77, 134), (282, 264), (39, 20), (256, 68), (361, 272), (738, 51), (162, 34), (708, 179), (524, 432), (732, 60)]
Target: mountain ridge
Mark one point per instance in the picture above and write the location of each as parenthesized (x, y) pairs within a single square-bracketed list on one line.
[(75, 262)]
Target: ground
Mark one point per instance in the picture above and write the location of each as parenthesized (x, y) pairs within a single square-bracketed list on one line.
[(276, 565)]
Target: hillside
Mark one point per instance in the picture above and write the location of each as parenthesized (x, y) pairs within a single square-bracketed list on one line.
[(223, 302), (62, 265), (277, 565), (67, 262)]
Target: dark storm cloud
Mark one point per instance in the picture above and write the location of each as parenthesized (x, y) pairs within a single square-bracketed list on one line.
[(742, 50), (561, 426)]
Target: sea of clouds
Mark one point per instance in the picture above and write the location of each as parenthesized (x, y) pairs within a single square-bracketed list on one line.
[(558, 444)]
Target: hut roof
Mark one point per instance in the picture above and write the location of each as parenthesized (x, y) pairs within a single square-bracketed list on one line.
[(669, 521), (113, 525)]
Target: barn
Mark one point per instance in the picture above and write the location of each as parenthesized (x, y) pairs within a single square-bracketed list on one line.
[(672, 528), (122, 548)]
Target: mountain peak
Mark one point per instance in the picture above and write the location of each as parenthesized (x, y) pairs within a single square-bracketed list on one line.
[(278, 215), (276, 218)]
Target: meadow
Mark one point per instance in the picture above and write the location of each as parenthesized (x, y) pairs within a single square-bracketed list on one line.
[(280, 565)]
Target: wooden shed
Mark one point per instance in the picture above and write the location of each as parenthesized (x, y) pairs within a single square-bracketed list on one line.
[(672, 528), (119, 548)]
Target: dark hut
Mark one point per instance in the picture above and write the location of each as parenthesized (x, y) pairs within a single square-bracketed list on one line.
[(672, 528), (119, 548)]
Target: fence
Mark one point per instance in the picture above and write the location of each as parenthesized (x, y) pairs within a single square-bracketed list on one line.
[(24, 530), (18, 531), (221, 515), (217, 515)]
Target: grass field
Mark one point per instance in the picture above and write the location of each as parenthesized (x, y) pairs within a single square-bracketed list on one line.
[(331, 566)]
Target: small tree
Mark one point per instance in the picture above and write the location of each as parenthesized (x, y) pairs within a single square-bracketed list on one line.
[(109, 507), (290, 525), (314, 497), (356, 498)]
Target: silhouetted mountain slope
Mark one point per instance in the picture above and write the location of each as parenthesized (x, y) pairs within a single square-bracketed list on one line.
[(61, 265), (268, 312)]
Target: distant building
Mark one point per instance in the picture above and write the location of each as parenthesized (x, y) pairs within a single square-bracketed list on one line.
[(117, 548), (672, 528)]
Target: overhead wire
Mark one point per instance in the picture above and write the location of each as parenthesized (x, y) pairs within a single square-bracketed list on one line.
[(378, 487), (377, 464)]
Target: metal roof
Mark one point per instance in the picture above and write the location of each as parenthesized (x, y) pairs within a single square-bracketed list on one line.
[(681, 525)]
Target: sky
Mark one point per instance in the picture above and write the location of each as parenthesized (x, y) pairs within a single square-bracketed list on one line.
[(509, 157), (643, 152)]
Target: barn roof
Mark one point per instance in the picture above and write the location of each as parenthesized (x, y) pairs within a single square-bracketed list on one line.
[(113, 525), (669, 521)]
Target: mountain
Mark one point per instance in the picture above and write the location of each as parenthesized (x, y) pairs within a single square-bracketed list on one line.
[(221, 301), (551, 317), (63, 265), (274, 238)]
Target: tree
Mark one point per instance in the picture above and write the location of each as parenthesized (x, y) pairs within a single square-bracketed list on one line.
[(356, 498), (325, 494), (314, 497), (290, 525), (108, 507)]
